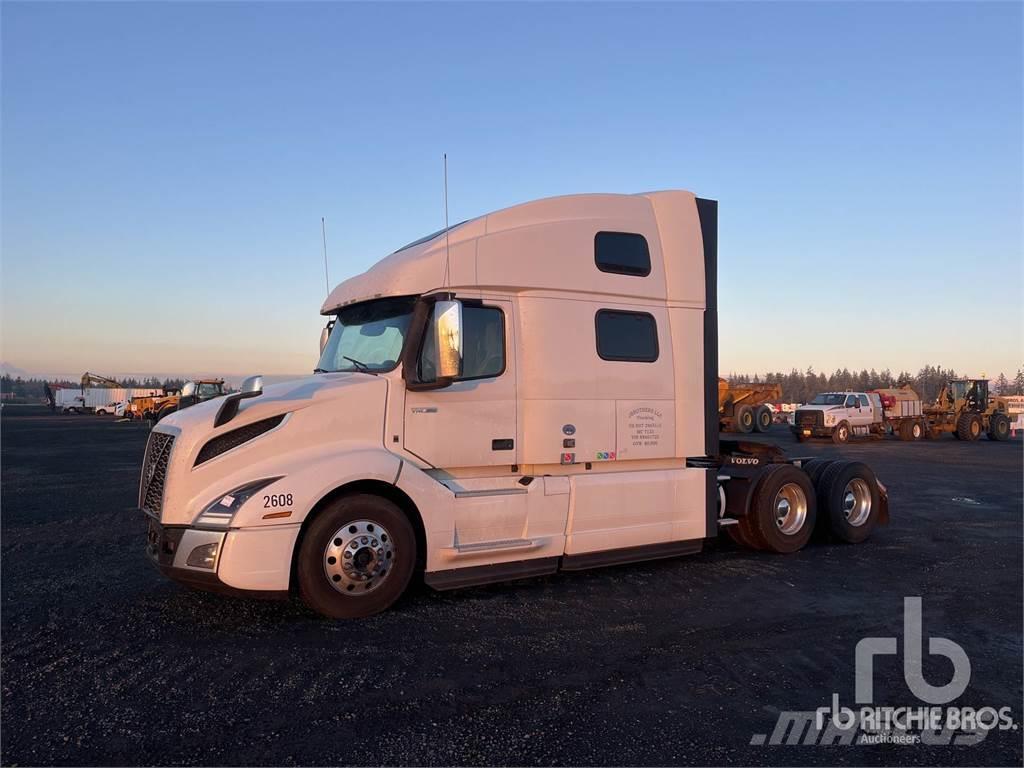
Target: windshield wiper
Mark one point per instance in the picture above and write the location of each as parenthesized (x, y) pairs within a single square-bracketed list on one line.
[(360, 366), (320, 370)]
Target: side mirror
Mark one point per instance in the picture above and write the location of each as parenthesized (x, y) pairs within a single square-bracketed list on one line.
[(448, 325), (252, 386), (188, 389)]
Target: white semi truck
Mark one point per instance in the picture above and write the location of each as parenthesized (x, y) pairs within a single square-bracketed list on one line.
[(529, 391)]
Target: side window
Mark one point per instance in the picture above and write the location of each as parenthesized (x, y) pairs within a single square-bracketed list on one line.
[(863, 400), (851, 401), (622, 253), (483, 345), (626, 336)]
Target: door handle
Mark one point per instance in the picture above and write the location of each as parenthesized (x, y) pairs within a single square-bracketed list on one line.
[(431, 409)]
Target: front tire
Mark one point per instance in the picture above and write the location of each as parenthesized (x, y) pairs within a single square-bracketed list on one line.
[(999, 427), (841, 434), (356, 558)]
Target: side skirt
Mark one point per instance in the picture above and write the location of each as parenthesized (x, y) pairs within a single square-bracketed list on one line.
[(631, 554), (476, 575)]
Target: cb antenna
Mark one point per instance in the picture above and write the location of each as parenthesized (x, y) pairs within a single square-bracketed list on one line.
[(447, 262), (323, 234)]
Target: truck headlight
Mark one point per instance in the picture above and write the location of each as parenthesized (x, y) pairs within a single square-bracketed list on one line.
[(219, 512), (829, 419)]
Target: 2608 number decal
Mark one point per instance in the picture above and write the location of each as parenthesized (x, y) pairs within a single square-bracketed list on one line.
[(277, 500)]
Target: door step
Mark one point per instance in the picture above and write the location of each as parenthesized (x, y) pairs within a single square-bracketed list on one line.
[(493, 546)]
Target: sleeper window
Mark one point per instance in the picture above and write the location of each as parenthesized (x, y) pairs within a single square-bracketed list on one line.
[(626, 336), (622, 253), (483, 345)]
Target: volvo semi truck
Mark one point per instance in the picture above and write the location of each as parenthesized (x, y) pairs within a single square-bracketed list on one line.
[(529, 391)]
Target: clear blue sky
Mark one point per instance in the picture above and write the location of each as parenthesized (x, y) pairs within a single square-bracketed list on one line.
[(165, 166)]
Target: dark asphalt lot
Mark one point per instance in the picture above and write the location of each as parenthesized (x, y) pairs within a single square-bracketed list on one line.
[(674, 662)]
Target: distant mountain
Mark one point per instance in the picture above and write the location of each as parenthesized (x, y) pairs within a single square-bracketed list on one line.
[(6, 369)]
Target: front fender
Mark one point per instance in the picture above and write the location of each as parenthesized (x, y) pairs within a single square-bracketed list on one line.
[(306, 478)]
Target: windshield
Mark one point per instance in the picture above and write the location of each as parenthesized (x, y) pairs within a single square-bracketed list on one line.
[(368, 336), (829, 399)]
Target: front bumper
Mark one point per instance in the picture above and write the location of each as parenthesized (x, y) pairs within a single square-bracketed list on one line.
[(811, 431), (168, 548)]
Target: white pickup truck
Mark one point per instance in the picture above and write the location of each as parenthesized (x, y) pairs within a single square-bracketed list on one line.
[(840, 415)]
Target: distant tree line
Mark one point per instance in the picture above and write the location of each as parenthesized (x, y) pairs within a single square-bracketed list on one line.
[(35, 389), (799, 387)]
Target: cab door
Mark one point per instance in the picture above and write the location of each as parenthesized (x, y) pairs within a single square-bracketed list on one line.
[(472, 422), (859, 415)]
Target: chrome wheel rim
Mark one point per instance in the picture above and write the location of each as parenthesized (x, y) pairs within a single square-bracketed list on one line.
[(842, 434), (790, 509), (856, 502), (359, 557), (916, 431)]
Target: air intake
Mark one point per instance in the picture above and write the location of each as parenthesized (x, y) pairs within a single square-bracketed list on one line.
[(236, 437)]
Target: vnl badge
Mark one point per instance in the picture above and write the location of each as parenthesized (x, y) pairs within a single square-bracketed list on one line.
[(568, 458)]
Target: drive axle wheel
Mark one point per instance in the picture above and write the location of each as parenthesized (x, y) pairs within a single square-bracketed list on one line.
[(356, 558), (815, 468), (968, 426), (848, 494), (782, 511), (745, 419), (763, 418)]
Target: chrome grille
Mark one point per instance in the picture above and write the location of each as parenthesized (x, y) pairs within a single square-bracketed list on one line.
[(154, 472)]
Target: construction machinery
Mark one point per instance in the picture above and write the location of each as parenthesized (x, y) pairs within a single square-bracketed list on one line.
[(965, 408), (172, 400), (743, 407), (94, 380)]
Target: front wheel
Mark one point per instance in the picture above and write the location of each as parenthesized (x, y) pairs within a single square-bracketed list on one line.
[(999, 427), (356, 558), (841, 434), (763, 418)]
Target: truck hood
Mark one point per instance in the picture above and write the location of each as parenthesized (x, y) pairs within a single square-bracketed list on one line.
[(821, 408), (349, 412), (286, 397)]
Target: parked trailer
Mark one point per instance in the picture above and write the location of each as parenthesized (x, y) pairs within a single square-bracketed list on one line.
[(531, 391), (745, 407), (99, 400), (903, 413)]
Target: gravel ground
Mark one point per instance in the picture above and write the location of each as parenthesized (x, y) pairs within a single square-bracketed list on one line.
[(675, 662)]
